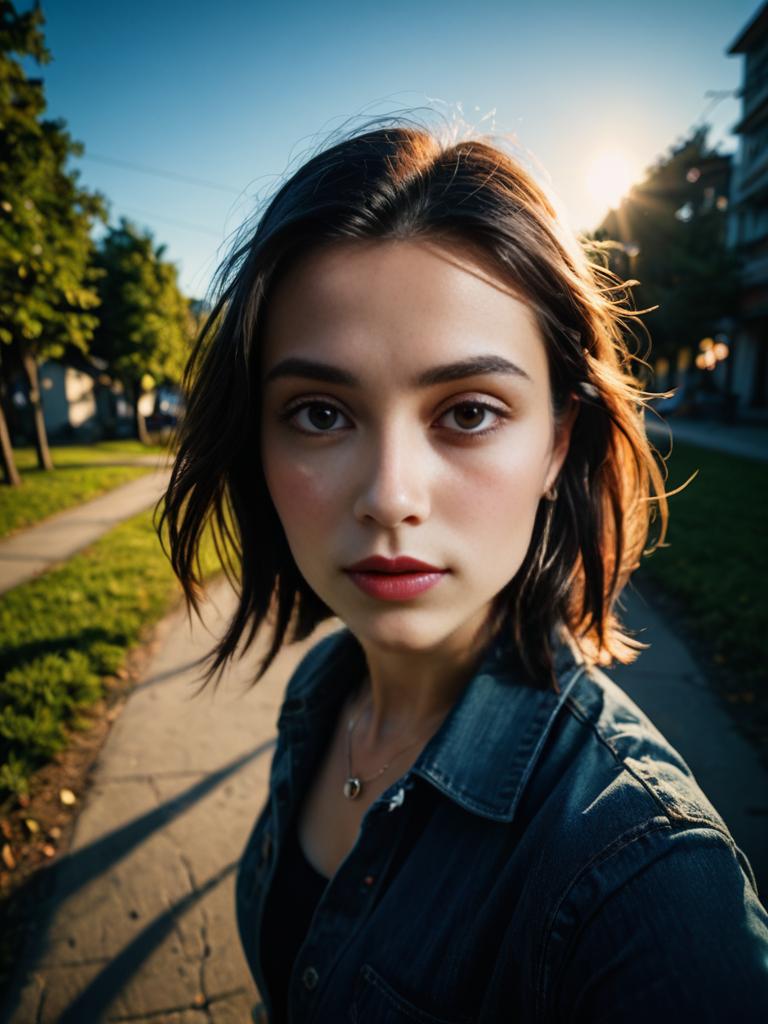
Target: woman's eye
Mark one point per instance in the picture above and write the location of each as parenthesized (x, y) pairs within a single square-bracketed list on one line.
[(316, 417), (469, 416)]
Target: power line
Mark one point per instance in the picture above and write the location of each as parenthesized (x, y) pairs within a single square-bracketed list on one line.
[(157, 172), (199, 228), (715, 97)]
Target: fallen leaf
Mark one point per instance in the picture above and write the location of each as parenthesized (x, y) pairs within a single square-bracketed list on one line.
[(23, 800), (67, 797), (200, 999), (49, 851), (8, 858), (54, 832), (5, 828)]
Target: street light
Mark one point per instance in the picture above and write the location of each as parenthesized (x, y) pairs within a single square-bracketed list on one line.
[(712, 352)]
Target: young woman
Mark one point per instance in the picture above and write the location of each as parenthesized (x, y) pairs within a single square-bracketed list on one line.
[(413, 408)]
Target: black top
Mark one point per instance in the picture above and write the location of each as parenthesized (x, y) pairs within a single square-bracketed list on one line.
[(295, 892)]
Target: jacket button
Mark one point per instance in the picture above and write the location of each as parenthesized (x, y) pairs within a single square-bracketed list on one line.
[(310, 978)]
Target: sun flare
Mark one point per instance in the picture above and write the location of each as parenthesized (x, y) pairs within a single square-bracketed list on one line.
[(610, 175)]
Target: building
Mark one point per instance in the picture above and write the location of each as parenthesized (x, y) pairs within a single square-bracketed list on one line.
[(81, 402), (748, 222)]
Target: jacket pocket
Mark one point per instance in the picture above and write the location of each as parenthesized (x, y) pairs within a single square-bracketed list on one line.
[(376, 1001)]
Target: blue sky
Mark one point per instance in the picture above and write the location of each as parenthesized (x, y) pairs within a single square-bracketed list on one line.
[(229, 92)]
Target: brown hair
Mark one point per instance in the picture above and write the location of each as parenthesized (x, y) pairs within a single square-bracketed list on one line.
[(402, 181)]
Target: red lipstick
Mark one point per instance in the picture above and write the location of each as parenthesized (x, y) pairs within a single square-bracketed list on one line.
[(394, 579)]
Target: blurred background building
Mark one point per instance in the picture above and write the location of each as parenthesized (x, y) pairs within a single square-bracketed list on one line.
[(748, 220)]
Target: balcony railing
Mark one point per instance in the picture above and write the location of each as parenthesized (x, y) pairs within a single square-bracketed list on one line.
[(751, 179), (754, 93)]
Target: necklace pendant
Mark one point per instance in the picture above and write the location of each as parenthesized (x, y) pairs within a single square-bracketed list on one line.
[(353, 787)]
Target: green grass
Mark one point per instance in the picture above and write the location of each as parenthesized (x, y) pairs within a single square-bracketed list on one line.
[(64, 631), (716, 562), (82, 472)]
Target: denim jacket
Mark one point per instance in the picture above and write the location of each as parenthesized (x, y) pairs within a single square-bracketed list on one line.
[(547, 857)]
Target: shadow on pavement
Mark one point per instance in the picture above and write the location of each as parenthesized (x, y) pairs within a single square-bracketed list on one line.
[(91, 1003), (82, 866), (46, 893), (161, 677)]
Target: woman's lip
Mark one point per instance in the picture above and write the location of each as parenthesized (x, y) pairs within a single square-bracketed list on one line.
[(401, 563), (395, 586)]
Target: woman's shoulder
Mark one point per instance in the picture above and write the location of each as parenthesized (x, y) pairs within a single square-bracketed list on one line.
[(626, 794), (623, 833), (633, 743), (651, 866), (594, 746)]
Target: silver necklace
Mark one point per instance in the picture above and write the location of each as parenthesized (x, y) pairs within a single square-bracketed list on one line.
[(353, 786)]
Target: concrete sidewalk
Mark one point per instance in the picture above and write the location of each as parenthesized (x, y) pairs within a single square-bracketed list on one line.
[(139, 921), (747, 439), (139, 924), (38, 548)]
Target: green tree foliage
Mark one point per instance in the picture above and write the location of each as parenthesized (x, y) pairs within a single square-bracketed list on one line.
[(47, 294), (145, 323), (671, 231)]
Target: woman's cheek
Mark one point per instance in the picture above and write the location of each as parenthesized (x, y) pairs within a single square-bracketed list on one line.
[(298, 489), (500, 488)]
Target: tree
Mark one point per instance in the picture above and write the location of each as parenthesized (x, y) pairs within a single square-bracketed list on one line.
[(46, 275), (672, 232), (145, 323)]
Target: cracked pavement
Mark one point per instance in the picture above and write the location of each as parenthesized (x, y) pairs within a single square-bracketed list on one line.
[(139, 923)]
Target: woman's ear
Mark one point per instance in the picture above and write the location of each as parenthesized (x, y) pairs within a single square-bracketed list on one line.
[(563, 429)]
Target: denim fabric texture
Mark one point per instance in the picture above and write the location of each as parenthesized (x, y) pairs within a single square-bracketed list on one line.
[(548, 857)]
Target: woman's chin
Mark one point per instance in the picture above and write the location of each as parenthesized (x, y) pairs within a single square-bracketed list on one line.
[(403, 631)]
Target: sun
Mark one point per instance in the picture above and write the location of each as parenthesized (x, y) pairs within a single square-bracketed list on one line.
[(610, 175)]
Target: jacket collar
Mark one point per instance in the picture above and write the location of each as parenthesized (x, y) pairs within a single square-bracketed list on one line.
[(485, 750)]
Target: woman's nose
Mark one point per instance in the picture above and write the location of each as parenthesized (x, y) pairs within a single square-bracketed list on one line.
[(393, 480)]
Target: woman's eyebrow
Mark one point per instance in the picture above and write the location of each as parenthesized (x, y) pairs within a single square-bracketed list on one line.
[(472, 367)]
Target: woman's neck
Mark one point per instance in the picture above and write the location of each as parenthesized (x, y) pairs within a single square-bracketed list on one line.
[(406, 694)]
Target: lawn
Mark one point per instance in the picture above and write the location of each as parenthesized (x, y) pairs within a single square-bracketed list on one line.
[(82, 472), (715, 565), (62, 632), (65, 642)]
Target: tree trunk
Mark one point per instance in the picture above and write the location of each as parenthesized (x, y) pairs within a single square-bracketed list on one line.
[(141, 424), (29, 363), (10, 472)]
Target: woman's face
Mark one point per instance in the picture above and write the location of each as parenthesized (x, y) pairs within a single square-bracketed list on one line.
[(406, 412)]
